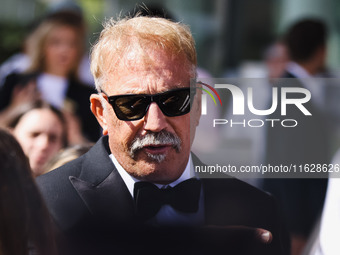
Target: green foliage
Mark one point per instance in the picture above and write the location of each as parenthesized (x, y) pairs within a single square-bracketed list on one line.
[(12, 38)]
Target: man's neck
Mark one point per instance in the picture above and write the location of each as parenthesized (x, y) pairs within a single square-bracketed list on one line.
[(130, 180)]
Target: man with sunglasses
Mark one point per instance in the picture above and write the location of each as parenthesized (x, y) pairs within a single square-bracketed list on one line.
[(137, 183)]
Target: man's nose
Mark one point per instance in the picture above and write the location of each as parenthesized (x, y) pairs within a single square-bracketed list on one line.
[(154, 120)]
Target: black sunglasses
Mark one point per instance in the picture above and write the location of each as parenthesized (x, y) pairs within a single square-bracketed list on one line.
[(172, 103)]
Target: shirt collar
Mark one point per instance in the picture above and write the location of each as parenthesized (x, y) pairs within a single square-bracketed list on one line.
[(297, 70), (308, 82), (130, 180)]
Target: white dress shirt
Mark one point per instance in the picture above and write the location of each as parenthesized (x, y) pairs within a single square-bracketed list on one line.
[(167, 215)]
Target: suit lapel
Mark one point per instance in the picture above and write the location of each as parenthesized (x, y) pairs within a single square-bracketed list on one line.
[(107, 198), (101, 188)]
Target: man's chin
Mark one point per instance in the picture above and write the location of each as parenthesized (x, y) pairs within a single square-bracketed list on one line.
[(157, 176), (158, 158), (152, 157), (151, 164), (157, 168)]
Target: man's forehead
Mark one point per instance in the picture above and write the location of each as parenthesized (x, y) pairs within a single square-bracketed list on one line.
[(141, 71), (151, 57), (145, 82)]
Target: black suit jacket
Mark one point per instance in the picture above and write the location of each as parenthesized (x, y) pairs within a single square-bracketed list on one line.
[(78, 94), (88, 195)]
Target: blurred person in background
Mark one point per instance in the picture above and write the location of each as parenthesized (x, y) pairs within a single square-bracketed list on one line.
[(41, 131), (25, 225), (276, 58), (247, 145), (20, 61), (55, 49), (308, 142), (66, 155)]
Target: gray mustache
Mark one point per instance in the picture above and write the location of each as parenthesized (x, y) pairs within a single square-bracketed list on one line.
[(152, 138)]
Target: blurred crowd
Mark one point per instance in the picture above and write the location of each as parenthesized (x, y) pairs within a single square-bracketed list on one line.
[(45, 90), (44, 105)]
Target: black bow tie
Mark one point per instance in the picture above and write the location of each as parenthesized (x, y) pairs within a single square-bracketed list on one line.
[(183, 197)]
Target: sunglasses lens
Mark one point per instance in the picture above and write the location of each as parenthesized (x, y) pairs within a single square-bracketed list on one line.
[(175, 103), (130, 107), (134, 107)]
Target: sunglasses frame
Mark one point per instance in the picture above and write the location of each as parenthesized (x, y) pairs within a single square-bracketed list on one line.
[(151, 98)]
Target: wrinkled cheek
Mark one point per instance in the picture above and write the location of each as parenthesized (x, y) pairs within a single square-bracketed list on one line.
[(189, 134), (119, 145), (186, 144), (125, 145)]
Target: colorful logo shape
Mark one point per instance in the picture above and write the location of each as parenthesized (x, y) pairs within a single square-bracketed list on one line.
[(209, 93)]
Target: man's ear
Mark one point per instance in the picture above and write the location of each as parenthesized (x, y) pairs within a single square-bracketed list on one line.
[(98, 111)]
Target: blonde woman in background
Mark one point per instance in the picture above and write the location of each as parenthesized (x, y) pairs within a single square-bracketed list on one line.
[(55, 49), (40, 130)]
